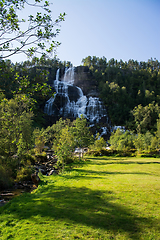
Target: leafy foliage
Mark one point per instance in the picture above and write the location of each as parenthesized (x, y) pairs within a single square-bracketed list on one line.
[(64, 145), (40, 140), (16, 125), (121, 140), (146, 117), (68, 136), (82, 135), (29, 36), (126, 140), (98, 144)]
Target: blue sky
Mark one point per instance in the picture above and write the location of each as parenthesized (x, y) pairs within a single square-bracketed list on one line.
[(120, 29)]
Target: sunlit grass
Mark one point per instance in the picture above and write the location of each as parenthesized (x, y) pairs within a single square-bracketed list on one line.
[(105, 198)]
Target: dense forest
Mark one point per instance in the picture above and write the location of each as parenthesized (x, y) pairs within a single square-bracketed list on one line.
[(125, 85)]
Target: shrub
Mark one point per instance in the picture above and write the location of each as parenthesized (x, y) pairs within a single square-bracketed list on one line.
[(24, 174), (154, 154), (122, 140), (98, 144), (28, 158), (112, 152), (102, 152)]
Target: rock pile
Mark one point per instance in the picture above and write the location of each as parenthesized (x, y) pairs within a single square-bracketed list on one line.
[(47, 167)]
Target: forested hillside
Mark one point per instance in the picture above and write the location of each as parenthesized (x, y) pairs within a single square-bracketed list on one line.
[(125, 85), (130, 90)]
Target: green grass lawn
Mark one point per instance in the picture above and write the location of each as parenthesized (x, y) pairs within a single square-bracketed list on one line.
[(105, 198)]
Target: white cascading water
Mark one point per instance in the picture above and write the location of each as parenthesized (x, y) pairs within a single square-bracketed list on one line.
[(91, 107)]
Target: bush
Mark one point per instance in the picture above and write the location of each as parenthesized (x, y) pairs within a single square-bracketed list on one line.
[(11, 163), (111, 152), (102, 152), (28, 159), (154, 154), (125, 153), (98, 144), (122, 140), (24, 174), (69, 160)]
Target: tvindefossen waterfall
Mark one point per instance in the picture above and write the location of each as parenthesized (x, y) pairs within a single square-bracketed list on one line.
[(70, 102)]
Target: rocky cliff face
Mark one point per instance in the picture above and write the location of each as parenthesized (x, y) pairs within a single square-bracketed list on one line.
[(75, 95), (84, 80)]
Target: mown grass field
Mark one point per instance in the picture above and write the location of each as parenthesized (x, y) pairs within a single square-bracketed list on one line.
[(104, 198)]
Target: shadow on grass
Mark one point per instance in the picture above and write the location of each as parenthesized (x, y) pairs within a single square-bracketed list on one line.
[(118, 161), (90, 174), (76, 206)]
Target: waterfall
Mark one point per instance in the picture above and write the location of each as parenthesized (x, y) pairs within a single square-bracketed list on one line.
[(57, 74), (69, 75), (69, 100)]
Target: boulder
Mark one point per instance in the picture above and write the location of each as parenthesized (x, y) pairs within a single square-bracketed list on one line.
[(53, 171)]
